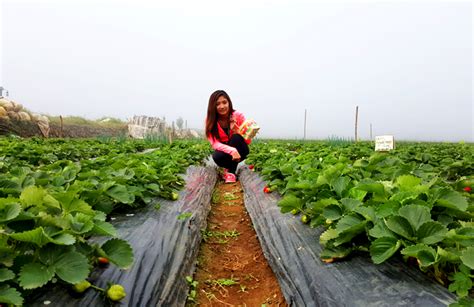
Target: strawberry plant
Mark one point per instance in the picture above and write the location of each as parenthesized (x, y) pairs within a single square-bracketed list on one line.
[(414, 202), (51, 207)]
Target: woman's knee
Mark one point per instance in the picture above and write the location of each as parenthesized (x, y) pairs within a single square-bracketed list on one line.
[(218, 156), (236, 139)]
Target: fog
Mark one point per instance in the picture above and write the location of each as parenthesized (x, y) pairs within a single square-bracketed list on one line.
[(407, 65)]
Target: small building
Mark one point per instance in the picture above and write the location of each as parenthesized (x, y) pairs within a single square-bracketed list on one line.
[(142, 126), (3, 92)]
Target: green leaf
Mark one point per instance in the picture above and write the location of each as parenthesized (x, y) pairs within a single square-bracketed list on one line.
[(7, 255), (381, 230), (36, 236), (358, 194), (327, 235), (121, 194), (384, 248), (461, 284), (332, 212), (72, 267), (431, 232), (370, 185), (51, 202), (153, 187), (81, 223), (104, 229), (448, 255), (119, 252), (424, 253), (400, 226), (350, 203), (463, 302), (78, 205), (290, 202), (58, 181), (9, 211), (63, 239), (71, 203), (367, 212), (6, 274), (332, 253), (407, 182), (413, 250), (348, 222), (348, 227), (461, 236), (467, 257), (184, 215), (40, 237), (10, 296), (388, 208), (453, 200), (32, 196), (341, 184), (9, 184), (69, 173), (34, 275), (404, 197), (415, 215), (427, 258)]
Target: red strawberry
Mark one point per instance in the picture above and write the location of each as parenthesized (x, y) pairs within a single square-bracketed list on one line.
[(266, 190), (103, 262), (251, 166), (468, 189)]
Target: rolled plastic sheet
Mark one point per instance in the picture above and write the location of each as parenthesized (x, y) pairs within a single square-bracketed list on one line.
[(292, 250), (165, 243)]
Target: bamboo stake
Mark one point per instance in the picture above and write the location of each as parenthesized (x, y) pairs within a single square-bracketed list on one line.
[(356, 119), (62, 126), (304, 135)]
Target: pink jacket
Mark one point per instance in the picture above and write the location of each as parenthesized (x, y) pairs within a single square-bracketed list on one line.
[(238, 118)]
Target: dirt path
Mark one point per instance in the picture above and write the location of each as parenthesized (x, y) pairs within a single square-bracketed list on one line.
[(232, 270)]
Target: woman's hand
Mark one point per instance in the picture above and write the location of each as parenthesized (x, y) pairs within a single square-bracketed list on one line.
[(233, 126), (236, 156)]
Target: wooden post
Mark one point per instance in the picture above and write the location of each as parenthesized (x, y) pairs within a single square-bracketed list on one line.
[(62, 125), (304, 134), (356, 119)]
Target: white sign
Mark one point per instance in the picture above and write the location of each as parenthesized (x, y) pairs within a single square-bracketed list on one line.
[(384, 143)]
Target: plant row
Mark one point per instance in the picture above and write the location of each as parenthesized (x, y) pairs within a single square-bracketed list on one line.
[(49, 211), (415, 201)]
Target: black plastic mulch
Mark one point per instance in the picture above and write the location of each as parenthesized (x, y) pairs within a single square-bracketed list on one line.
[(165, 249), (292, 250)]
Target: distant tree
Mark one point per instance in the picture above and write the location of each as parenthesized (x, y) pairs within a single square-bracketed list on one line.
[(179, 123)]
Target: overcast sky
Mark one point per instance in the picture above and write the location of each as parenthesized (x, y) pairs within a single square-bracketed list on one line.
[(406, 64)]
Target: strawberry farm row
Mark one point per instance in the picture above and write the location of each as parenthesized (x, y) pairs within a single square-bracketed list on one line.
[(415, 201), (50, 205)]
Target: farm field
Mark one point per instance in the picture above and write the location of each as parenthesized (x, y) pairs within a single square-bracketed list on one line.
[(414, 203)]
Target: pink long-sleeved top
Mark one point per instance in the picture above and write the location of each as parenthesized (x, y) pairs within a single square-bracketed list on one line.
[(237, 118)]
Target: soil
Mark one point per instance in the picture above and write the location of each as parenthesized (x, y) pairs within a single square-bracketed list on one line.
[(232, 270)]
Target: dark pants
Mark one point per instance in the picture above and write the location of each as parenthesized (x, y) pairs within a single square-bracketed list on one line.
[(224, 160)]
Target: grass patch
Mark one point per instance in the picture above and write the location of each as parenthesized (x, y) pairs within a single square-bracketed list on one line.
[(220, 237), (230, 196), (107, 122), (216, 198)]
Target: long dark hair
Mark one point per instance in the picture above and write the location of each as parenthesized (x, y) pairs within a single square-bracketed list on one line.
[(211, 119)]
